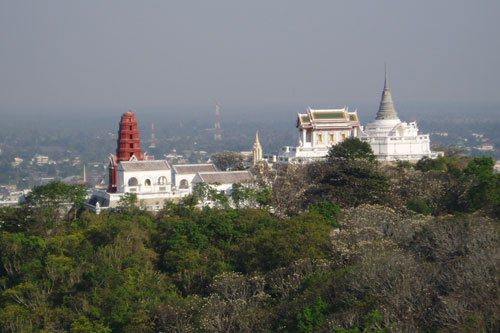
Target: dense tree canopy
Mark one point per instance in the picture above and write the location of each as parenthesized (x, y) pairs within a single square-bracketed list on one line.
[(228, 160), (351, 149), (56, 193), (350, 177), (330, 247)]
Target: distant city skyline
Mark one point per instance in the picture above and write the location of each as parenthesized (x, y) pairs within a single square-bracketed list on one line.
[(127, 54)]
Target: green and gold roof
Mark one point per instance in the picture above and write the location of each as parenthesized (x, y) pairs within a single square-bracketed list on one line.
[(324, 117), (317, 115), (305, 119)]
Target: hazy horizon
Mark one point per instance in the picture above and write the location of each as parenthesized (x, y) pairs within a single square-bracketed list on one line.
[(70, 57)]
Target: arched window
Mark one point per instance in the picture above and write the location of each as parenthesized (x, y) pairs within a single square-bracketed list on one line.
[(147, 182), (184, 184), (133, 182), (162, 180)]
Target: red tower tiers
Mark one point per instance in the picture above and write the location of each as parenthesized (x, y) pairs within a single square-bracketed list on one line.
[(128, 146)]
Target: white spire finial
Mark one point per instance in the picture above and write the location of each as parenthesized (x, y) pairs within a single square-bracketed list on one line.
[(386, 83)]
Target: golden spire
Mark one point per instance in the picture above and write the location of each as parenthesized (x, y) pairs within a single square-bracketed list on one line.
[(257, 150)]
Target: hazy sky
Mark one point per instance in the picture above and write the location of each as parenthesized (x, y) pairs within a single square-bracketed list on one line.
[(120, 54)]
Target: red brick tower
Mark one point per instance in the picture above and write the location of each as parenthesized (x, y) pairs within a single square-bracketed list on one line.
[(128, 146), (128, 143)]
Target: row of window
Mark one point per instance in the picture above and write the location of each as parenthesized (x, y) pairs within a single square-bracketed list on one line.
[(161, 181), (134, 182)]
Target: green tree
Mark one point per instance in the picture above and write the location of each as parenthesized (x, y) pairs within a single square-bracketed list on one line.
[(83, 325), (351, 149), (419, 206), (312, 316), (264, 196), (350, 186), (328, 209), (283, 242), (373, 323), (187, 206), (48, 199), (350, 177), (128, 202), (404, 165), (250, 197), (241, 194), (20, 253), (50, 195), (481, 167), (16, 219), (208, 193), (228, 160), (426, 164), (77, 194), (485, 189)]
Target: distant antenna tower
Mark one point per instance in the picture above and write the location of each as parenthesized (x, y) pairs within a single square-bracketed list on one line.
[(153, 140), (217, 129)]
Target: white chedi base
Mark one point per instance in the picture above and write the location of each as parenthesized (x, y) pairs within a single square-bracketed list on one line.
[(300, 154), (393, 140)]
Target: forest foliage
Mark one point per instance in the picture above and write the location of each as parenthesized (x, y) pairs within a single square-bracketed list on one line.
[(348, 245)]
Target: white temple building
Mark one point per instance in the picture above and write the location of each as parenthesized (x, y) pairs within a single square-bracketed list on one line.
[(390, 138), (183, 174), (143, 177), (393, 140), (223, 180), (319, 129), (154, 182), (150, 180)]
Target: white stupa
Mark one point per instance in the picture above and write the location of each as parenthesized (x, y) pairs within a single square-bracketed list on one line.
[(391, 139)]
